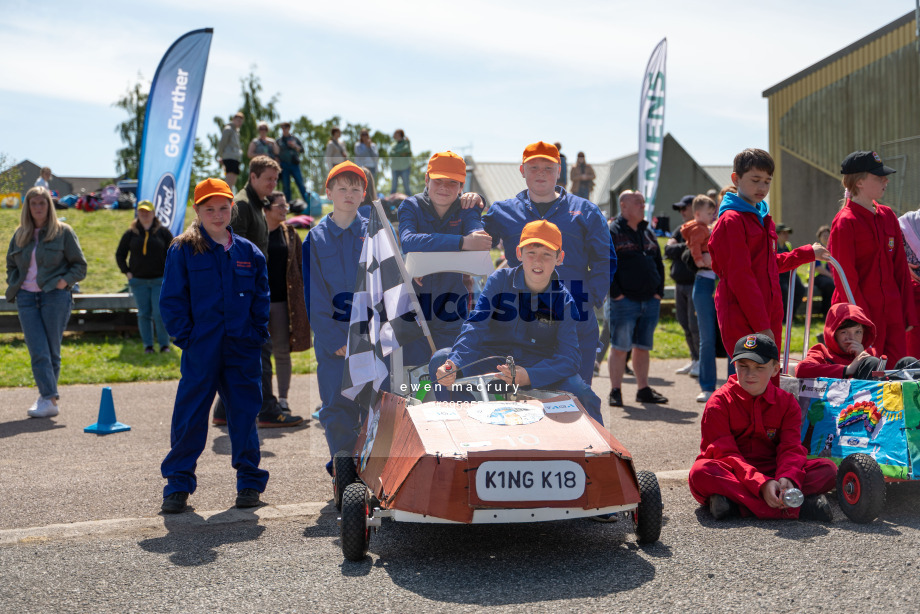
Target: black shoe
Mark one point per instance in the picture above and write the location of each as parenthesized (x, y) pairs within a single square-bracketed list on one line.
[(277, 419), (174, 503), (149, 350), (627, 370), (721, 507), (647, 395), (816, 507), (248, 497), (616, 398)]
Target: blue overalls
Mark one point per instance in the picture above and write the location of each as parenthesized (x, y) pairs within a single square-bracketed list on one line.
[(590, 260), (538, 331), (329, 282), (215, 304), (442, 296)]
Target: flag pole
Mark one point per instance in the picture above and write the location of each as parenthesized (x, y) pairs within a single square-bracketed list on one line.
[(400, 263)]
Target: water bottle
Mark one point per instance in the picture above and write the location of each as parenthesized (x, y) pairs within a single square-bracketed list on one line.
[(793, 497)]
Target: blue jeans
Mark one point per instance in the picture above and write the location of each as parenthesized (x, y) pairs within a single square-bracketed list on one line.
[(405, 180), (705, 305), (288, 170), (632, 323), (573, 384), (147, 296), (43, 317)]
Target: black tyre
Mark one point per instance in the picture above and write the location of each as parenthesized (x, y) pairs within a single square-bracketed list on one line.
[(344, 473), (860, 488), (647, 516), (355, 534)]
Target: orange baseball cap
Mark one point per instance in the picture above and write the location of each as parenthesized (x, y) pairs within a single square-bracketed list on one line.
[(212, 187), (346, 167), (447, 165), (542, 232), (541, 150)]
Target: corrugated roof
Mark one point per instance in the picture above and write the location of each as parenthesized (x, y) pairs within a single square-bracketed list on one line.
[(501, 180), (894, 25), (722, 175)]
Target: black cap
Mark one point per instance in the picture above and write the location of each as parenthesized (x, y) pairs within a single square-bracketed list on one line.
[(758, 348), (783, 228), (865, 162), (684, 202)]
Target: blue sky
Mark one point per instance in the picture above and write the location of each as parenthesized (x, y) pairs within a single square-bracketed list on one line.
[(481, 77)]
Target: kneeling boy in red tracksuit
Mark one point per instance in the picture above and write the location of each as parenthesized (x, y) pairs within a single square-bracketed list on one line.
[(751, 450), (849, 335)]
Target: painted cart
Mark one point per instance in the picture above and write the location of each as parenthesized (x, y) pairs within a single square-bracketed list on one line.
[(531, 457)]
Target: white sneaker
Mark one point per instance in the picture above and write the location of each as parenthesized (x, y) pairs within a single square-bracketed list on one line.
[(685, 369), (45, 409), (703, 396), (695, 369), (34, 405)]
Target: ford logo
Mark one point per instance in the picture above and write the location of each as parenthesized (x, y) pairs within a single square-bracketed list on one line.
[(853, 441), (164, 199)]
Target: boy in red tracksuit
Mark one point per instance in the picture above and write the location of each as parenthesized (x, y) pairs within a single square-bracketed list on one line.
[(751, 450), (867, 242), (743, 250)]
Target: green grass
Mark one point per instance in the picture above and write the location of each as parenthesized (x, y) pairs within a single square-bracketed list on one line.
[(93, 358), (109, 358), (105, 359)]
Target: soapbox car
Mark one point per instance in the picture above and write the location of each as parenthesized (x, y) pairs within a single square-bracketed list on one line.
[(869, 428), (530, 457)]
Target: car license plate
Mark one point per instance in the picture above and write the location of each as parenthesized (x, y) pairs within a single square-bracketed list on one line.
[(551, 480)]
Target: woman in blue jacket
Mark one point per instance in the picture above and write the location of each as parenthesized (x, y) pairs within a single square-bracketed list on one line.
[(215, 304), (43, 263)]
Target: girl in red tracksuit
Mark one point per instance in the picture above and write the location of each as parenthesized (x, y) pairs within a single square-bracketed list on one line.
[(867, 242)]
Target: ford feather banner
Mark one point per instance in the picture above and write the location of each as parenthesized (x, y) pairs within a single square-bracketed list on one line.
[(169, 128), (651, 126)]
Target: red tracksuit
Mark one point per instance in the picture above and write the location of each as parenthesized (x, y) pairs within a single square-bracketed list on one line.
[(828, 359), (748, 298), (748, 441), (870, 248)]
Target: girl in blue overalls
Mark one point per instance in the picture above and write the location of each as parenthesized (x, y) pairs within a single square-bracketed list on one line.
[(215, 303)]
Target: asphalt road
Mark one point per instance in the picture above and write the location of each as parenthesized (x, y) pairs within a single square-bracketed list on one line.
[(79, 531)]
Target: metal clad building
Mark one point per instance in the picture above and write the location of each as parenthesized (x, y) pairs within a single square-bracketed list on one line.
[(866, 96)]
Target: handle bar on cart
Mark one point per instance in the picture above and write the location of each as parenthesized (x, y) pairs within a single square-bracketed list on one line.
[(790, 296)]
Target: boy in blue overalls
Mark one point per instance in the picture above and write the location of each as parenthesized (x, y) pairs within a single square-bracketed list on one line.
[(590, 262), (527, 313), (215, 304), (332, 249), (433, 221)]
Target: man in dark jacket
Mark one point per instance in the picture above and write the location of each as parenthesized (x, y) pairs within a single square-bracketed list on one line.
[(635, 297), (683, 288)]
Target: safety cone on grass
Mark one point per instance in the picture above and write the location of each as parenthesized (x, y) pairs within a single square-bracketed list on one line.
[(106, 422)]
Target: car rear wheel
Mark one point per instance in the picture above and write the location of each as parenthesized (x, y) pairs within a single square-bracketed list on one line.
[(355, 512), (344, 473), (647, 517), (860, 488)]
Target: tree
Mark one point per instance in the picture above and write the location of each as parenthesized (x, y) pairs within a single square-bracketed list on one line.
[(203, 166), (131, 131), (815, 415), (255, 111), (10, 181)]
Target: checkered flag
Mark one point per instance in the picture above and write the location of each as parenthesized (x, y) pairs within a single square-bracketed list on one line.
[(384, 313)]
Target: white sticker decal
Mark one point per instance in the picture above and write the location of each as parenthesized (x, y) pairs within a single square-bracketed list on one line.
[(560, 407)]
